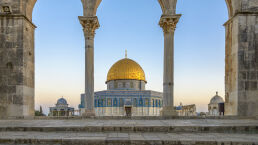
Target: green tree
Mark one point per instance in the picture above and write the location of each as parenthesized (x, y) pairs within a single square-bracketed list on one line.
[(40, 112)]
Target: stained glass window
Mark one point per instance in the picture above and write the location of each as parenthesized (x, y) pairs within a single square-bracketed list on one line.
[(121, 101), (146, 102), (115, 102), (135, 102), (109, 102)]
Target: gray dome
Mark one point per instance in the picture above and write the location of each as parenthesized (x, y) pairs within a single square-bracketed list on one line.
[(61, 101), (216, 99)]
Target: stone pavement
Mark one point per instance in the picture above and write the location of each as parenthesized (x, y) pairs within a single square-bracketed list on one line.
[(127, 138), (130, 131), (127, 122)]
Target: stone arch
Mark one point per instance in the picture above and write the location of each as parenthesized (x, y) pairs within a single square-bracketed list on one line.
[(230, 9), (241, 29), (29, 5), (90, 7), (168, 6)]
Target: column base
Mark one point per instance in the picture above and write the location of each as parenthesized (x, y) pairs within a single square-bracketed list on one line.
[(87, 113), (168, 112)]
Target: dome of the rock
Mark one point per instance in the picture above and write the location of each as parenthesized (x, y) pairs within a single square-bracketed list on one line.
[(126, 69)]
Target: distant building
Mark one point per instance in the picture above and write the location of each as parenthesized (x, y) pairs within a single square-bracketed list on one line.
[(61, 109), (216, 106), (187, 110)]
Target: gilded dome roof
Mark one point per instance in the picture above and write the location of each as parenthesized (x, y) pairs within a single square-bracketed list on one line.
[(126, 69)]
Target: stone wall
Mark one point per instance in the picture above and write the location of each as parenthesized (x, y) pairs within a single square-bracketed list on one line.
[(16, 59), (241, 73)]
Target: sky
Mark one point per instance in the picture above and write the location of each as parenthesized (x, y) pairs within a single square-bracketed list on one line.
[(130, 25)]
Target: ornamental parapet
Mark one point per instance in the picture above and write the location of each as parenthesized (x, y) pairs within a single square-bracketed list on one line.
[(89, 24), (169, 22)]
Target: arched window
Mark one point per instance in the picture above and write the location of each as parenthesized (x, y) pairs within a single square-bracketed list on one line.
[(135, 102), (140, 102), (99, 104), (115, 103), (9, 65), (102, 102), (121, 102), (96, 103), (115, 85), (146, 102), (131, 84), (109, 102)]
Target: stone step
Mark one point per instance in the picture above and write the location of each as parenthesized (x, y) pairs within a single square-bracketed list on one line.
[(132, 126), (135, 129), (97, 138)]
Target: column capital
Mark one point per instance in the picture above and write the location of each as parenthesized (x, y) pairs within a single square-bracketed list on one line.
[(169, 22), (89, 24)]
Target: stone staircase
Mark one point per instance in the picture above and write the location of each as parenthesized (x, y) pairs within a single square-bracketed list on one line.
[(130, 132)]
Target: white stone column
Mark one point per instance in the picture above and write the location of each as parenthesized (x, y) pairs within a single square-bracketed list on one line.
[(168, 23), (90, 24)]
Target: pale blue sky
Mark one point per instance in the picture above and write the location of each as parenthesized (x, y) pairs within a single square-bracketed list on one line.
[(131, 25)]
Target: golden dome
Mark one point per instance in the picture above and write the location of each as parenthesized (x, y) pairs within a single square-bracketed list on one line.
[(126, 69)]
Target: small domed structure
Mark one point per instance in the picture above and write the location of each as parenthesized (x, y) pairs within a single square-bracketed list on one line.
[(216, 106), (216, 99), (61, 109)]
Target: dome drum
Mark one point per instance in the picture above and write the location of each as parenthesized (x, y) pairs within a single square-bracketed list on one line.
[(126, 85)]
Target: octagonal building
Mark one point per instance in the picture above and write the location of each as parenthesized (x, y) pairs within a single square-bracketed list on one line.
[(126, 94)]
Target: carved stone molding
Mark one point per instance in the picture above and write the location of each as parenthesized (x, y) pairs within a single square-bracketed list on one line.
[(89, 24), (169, 22)]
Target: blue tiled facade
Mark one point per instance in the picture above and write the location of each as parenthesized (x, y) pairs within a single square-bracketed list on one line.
[(115, 98)]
